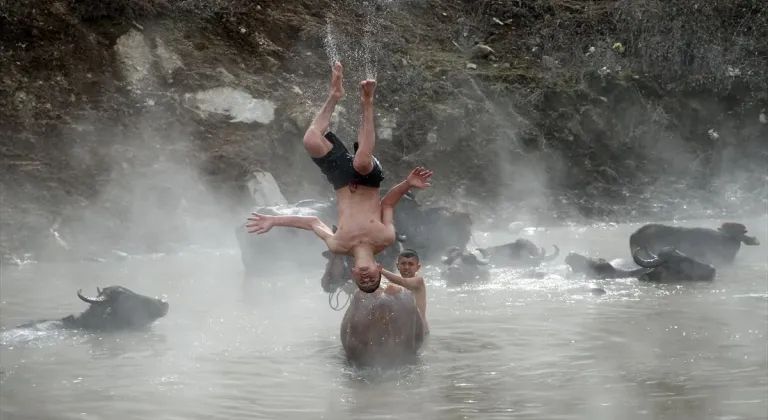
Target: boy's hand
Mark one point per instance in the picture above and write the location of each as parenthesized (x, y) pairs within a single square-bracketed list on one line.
[(419, 178), (261, 223)]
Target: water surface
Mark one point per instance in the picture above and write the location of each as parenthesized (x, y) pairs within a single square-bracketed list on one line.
[(529, 348)]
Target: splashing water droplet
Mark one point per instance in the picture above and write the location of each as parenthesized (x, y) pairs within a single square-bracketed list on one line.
[(329, 42)]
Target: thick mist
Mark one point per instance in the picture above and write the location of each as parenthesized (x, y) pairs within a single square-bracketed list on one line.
[(150, 196)]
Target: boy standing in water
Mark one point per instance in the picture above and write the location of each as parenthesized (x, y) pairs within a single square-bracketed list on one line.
[(365, 221), (408, 266)]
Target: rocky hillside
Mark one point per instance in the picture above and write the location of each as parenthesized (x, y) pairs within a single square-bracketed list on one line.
[(135, 124)]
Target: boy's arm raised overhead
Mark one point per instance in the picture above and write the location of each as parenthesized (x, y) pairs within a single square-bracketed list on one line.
[(418, 178)]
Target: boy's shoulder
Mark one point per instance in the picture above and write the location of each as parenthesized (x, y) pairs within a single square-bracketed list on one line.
[(418, 278)]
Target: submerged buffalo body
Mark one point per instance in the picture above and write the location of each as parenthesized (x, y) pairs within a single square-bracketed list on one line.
[(383, 328), (114, 308), (465, 266), (429, 230), (705, 245), (521, 253), (669, 265), (598, 268)]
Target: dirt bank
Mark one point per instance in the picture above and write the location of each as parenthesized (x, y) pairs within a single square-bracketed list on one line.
[(133, 124)]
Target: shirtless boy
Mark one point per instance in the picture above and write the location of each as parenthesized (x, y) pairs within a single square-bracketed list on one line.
[(408, 265), (365, 221)]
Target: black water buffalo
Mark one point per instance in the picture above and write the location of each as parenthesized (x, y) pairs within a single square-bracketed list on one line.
[(671, 265), (599, 268), (521, 253), (705, 245), (465, 266), (430, 230), (115, 308)]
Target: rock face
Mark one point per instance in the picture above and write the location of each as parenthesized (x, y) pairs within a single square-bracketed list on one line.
[(238, 105), (264, 190), (121, 112)]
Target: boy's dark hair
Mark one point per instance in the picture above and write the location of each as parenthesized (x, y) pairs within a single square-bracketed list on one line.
[(409, 253)]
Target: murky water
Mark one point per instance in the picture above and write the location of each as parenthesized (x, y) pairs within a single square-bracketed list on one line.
[(515, 348)]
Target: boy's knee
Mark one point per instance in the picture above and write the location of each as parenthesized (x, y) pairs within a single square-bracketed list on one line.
[(312, 136), (362, 165), (315, 143)]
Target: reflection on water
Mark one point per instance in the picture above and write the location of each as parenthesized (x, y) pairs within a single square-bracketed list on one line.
[(539, 347)]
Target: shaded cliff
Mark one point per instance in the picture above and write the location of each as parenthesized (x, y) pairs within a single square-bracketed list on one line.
[(133, 124)]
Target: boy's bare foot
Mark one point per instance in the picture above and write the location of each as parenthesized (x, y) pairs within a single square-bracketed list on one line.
[(367, 87), (337, 79)]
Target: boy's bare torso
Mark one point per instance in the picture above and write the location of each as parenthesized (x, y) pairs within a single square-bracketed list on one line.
[(420, 295), (359, 221)]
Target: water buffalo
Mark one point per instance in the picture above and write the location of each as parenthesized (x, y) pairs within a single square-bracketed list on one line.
[(521, 253), (382, 329), (671, 265), (706, 245), (114, 308), (465, 267), (427, 229), (598, 268)]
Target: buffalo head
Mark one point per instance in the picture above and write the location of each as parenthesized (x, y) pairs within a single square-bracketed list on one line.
[(116, 307), (672, 265), (465, 266), (338, 270), (521, 252), (599, 267), (581, 264), (466, 257), (739, 232)]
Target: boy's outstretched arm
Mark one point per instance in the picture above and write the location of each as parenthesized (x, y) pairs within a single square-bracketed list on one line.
[(418, 178), (411, 283), (261, 223)]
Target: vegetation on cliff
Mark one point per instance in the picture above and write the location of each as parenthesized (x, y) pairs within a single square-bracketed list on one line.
[(532, 110)]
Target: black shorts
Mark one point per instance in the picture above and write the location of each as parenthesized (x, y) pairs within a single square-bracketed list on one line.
[(337, 166)]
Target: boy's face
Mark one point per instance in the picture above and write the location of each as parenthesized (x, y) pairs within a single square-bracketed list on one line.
[(408, 267)]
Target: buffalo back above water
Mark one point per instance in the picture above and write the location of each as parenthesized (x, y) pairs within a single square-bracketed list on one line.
[(705, 245), (433, 230), (382, 328), (114, 308)]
